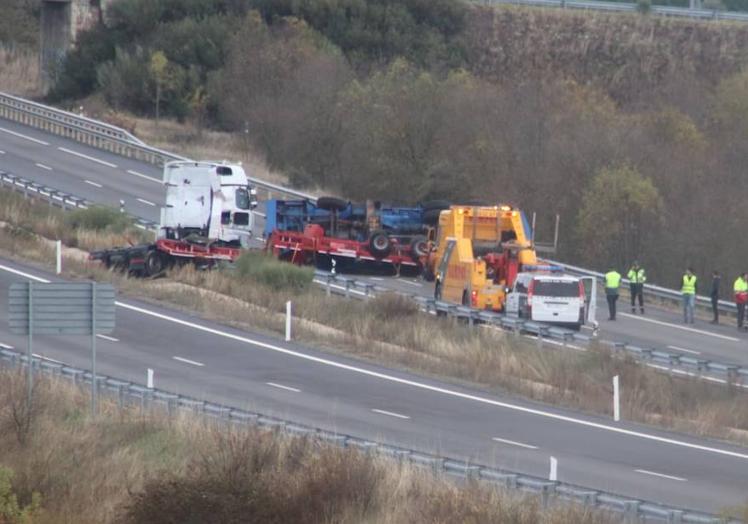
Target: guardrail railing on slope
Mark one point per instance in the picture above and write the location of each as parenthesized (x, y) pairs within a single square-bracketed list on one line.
[(105, 137), (133, 394), (660, 358), (680, 12)]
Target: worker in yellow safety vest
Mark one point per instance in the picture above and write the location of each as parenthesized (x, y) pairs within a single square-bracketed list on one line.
[(612, 283), (688, 291), (637, 277), (741, 297)]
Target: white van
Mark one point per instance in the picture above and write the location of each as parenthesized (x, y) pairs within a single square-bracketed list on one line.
[(548, 297)]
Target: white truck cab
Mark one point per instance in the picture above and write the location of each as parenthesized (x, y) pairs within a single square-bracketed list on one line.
[(548, 297), (207, 199)]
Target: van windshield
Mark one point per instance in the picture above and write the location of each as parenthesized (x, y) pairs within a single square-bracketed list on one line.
[(556, 288)]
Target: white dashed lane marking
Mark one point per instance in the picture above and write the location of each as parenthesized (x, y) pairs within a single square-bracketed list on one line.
[(281, 386), (514, 443), (390, 414), (146, 177), (660, 475), (146, 202), (19, 135), (81, 155), (92, 183), (42, 166), (188, 361)]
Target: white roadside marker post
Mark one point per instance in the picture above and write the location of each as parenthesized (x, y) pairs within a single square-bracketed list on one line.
[(288, 321), (616, 399), (150, 378), (553, 476), (58, 256)]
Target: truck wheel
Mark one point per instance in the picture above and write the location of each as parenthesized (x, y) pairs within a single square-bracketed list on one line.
[(379, 244), (154, 263), (419, 247), (329, 203), (431, 216)]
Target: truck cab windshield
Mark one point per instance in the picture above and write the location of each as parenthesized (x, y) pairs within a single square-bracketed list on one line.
[(242, 198)]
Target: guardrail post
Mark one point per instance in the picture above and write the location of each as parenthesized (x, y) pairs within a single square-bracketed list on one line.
[(329, 278), (631, 511), (347, 288)]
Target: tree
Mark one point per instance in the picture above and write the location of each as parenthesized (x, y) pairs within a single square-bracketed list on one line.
[(159, 69), (619, 212)]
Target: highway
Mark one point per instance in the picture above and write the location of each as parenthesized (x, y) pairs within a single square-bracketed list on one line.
[(206, 360), (106, 178)]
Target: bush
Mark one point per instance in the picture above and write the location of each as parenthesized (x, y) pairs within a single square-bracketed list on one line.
[(389, 307), (11, 511), (265, 269), (98, 219)]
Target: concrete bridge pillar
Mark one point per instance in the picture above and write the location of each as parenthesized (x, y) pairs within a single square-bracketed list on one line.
[(61, 21)]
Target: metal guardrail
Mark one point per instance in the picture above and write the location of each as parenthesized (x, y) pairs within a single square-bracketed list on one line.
[(680, 12), (132, 394), (105, 137), (58, 198)]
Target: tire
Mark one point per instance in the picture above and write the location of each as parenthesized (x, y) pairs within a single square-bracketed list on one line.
[(329, 203), (435, 204), (380, 244), (155, 263), (431, 217), (419, 247)]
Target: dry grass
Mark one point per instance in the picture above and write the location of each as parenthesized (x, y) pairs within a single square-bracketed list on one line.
[(390, 330), (19, 69), (129, 466)]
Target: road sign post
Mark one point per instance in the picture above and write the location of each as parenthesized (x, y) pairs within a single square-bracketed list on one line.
[(61, 308)]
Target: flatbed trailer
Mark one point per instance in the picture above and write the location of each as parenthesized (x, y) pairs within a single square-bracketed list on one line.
[(150, 260)]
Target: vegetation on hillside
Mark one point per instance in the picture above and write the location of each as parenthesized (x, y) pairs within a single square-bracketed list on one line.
[(407, 100)]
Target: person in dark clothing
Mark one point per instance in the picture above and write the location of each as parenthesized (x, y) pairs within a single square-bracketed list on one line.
[(714, 295)]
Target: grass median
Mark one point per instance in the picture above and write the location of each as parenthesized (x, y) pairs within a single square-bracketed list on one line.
[(390, 330)]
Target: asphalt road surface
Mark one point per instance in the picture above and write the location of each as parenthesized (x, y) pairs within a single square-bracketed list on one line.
[(206, 360)]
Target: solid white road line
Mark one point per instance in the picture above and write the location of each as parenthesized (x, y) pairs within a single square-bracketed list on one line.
[(19, 135), (81, 155), (110, 339), (2, 152), (413, 383), (281, 386), (145, 201), (684, 328), (390, 414), (5, 346), (188, 361), (146, 177), (93, 183), (376, 278), (693, 352), (513, 443), (42, 166), (661, 475)]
